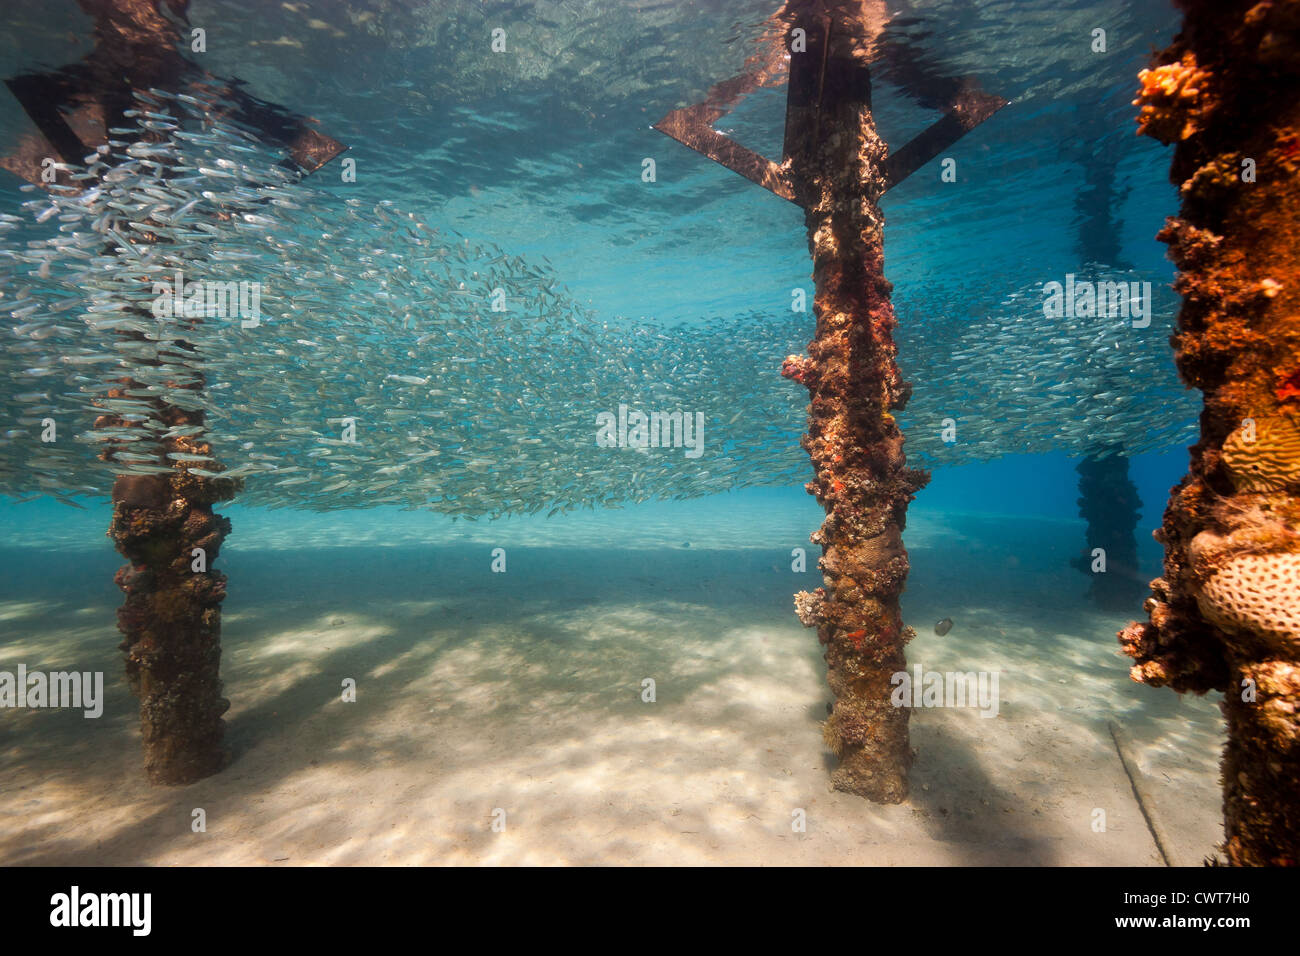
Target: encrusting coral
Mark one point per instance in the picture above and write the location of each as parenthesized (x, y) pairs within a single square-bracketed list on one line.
[(1226, 613), (170, 618), (860, 477), (1174, 100), (1255, 594), (1263, 454)]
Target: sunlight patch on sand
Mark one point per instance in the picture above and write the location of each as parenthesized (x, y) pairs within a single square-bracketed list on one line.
[(533, 705)]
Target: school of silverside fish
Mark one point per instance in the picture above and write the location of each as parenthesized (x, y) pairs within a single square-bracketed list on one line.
[(377, 371)]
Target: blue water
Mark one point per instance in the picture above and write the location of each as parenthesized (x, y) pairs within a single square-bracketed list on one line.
[(522, 689)]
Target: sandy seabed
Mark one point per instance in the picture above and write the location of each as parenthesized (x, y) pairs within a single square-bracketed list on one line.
[(480, 692)]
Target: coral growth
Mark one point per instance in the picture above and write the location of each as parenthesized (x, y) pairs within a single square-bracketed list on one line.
[(831, 738), (171, 616), (1174, 100), (797, 368), (1225, 615), (1216, 177), (860, 474), (1263, 454), (1288, 386), (809, 606), (1255, 594)]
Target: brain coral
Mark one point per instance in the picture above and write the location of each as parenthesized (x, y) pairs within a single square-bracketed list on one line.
[(1270, 461), (1258, 593)]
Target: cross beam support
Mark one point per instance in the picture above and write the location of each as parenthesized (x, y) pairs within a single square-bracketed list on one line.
[(692, 126)]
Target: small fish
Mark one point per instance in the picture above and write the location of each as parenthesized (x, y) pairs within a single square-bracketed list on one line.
[(356, 295)]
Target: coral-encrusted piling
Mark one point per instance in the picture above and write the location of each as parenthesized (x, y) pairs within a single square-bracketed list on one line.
[(171, 619), (836, 168), (1226, 613), (856, 447), (163, 524)]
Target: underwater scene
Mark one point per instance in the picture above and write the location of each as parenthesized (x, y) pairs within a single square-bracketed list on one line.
[(649, 432)]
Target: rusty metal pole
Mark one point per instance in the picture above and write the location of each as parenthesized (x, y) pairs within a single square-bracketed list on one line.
[(1226, 614)]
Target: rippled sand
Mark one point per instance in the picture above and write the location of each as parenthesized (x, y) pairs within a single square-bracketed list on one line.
[(521, 692)]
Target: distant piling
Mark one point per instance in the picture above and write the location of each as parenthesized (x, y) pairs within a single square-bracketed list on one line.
[(1109, 503)]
